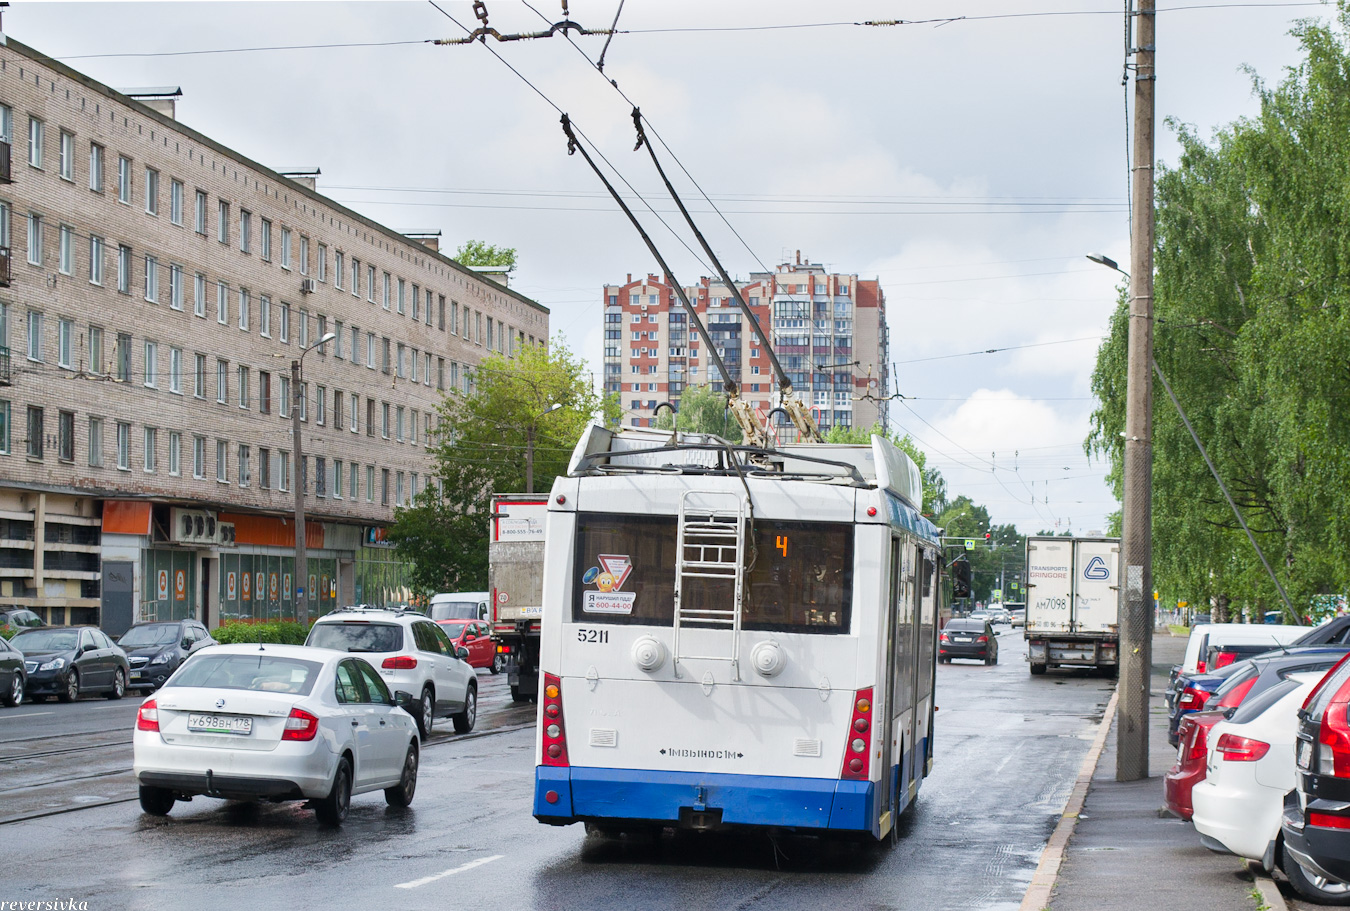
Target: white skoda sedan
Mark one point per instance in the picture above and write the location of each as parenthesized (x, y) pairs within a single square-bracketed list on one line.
[(275, 722)]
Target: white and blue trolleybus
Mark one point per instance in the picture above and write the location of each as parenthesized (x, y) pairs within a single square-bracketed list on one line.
[(736, 636)]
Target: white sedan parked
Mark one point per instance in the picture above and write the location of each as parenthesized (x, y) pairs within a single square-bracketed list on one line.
[(275, 722)]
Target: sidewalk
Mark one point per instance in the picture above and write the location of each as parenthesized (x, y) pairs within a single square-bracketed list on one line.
[(1127, 854)]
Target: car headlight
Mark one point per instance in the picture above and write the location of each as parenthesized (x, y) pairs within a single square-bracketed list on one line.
[(54, 665), (162, 658)]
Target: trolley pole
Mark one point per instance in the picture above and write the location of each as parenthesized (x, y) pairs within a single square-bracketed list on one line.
[(1136, 622)]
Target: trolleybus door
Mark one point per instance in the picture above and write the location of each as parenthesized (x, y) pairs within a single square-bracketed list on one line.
[(915, 632), (892, 668)]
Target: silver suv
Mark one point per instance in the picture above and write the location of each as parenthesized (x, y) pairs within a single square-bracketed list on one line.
[(412, 654)]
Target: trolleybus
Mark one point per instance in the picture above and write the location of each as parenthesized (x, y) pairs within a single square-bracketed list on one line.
[(735, 637)]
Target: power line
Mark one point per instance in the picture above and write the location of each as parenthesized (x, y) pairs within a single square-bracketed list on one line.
[(944, 357), (243, 50)]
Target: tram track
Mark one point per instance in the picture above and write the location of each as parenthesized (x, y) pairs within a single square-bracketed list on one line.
[(67, 750)]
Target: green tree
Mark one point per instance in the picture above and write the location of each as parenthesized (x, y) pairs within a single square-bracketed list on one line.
[(703, 409), (934, 485), (476, 254), (483, 443)]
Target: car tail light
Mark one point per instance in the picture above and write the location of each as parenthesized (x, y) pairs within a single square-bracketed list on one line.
[(1323, 682), (1197, 746), (982, 639), (1329, 821), (400, 663), (1241, 749), (1223, 659), (1234, 697), (1193, 700), (555, 735), (147, 716), (944, 638), (503, 649), (858, 748), (1333, 735), (1200, 666), (301, 725)]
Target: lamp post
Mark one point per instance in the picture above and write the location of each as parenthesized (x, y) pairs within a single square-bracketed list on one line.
[(298, 465), (529, 445)]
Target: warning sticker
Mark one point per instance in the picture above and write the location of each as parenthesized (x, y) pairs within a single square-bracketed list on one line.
[(608, 602), (617, 567)]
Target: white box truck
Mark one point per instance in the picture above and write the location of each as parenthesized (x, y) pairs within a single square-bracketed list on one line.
[(516, 578), (1072, 603)]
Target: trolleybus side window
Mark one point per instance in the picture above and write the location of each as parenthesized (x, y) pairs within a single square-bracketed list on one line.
[(801, 579)]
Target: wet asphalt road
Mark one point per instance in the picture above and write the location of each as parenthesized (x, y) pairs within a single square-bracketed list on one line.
[(1008, 747)]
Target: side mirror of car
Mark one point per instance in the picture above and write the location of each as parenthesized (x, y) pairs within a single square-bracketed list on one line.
[(469, 637), (462, 653), (186, 643), (403, 700)]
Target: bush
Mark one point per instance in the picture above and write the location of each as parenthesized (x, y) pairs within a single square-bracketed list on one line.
[(278, 632), (7, 632)]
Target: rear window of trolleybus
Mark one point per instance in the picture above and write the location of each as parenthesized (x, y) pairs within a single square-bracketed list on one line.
[(799, 577)]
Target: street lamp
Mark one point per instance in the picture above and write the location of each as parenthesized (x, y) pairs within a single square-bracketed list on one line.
[(1108, 262), (529, 445), (297, 398)]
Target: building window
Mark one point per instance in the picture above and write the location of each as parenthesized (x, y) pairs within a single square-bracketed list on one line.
[(245, 230), (67, 156), (65, 436), (323, 263), (370, 284), (243, 387), (222, 381), (370, 483), (198, 456), (222, 303), (151, 364), (265, 316), (337, 408), (356, 277), (66, 250), (35, 238), (398, 423), (36, 131), (95, 365), (384, 355), (283, 470), (223, 461), (175, 286), (320, 404), (370, 417), (123, 269), (387, 291), (124, 180), (384, 420), (402, 294), (245, 468), (35, 432), (266, 241), (320, 476), (398, 362), (199, 376), (123, 446), (338, 265), (65, 343), (355, 402), (284, 396), (370, 350), (199, 295), (354, 481), (95, 259), (175, 453), (302, 401), (398, 488), (151, 449), (302, 323), (151, 191), (151, 279), (285, 248), (285, 327), (304, 255), (243, 309), (199, 214), (123, 357), (96, 442), (384, 486), (264, 467), (96, 168), (337, 479), (35, 336), (176, 202), (176, 370), (454, 318), (264, 392), (223, 221)]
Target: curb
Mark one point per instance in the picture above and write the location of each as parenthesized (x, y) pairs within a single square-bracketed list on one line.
[(1038, 893), (1271, 897)]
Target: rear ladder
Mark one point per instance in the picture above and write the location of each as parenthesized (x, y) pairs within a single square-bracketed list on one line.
[(711, 545)]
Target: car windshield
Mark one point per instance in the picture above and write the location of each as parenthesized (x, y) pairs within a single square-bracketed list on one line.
[(453, 629), (261, 672), (454, 610), (357, 636), (152, 634), (42, 640)]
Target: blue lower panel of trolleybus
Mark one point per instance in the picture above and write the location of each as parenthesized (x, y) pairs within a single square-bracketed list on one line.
[(569, 794)]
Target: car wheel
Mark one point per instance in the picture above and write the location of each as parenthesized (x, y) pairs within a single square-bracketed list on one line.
[(426, 713), (15, 694), (332, 809), (72, 690), (1037, 670), (156, 801), (464, 720), (498, 664), (1313, 887), (402, 795), (518, 696), (119, 685)]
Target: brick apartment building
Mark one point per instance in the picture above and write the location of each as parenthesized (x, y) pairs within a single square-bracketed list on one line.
[(156, 287), (828, 330)]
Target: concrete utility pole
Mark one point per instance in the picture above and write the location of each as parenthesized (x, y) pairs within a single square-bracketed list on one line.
[(1136, 621)]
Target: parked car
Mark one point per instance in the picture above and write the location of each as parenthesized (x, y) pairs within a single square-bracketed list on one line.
[(1240, 802), (1335, 631), (19, 618), (968, 637), (1196, 660), (155, 649), (1316, 819), (69, 661), (476, 636), (275, 722), (413, 654), (1192, 762), (13, 678), (459, 606), (1017, 611)]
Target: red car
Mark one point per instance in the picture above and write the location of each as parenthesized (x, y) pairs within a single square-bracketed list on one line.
[(1190, 767), (476, 636)]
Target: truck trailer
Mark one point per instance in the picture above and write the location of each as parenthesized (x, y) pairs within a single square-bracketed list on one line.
[(1072, 617), (516, 580)]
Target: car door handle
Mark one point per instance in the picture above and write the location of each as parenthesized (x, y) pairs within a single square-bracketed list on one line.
[(355, 723), (381, 722)]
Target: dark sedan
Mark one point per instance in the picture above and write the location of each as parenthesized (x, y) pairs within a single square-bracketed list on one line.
[(12, 676), (19, 618), (156, 649), (968, 638), (69, 661)]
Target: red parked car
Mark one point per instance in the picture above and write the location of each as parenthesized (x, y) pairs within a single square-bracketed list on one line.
[(1190, 767), (476, 636)]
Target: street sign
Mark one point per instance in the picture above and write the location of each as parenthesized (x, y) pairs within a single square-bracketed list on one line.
[(970, 543)]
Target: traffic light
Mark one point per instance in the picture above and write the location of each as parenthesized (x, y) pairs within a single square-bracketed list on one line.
[(988, 537)]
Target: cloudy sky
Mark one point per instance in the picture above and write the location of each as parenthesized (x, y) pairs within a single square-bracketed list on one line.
[(969, 165)]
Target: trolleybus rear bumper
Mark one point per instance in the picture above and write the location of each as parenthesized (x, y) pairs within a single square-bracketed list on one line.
[(571, 794)]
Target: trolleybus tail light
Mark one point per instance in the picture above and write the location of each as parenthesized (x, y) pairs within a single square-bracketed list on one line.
[(858, 748), (147, 716), (400, 663), (301, 725), (554, 733)]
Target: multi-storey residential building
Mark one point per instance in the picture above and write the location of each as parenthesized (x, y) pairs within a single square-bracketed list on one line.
[(156, 288), (827, 329)]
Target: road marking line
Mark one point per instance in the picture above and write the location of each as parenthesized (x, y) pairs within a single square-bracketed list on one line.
[(30, 715), (444, 873)]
